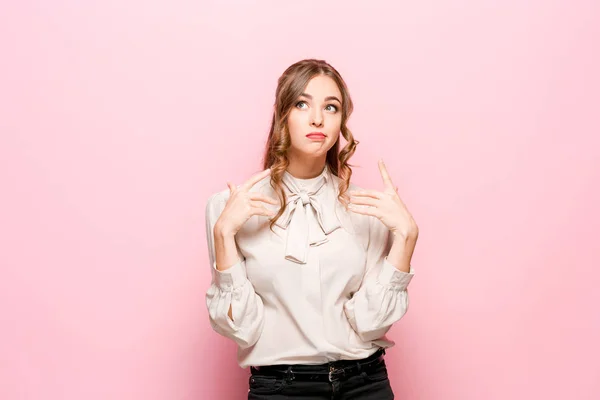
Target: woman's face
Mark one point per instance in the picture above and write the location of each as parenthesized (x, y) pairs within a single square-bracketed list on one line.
[(314, 122)]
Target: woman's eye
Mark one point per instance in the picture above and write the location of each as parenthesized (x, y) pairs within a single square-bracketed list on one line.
[(332, 108), (300, 103)]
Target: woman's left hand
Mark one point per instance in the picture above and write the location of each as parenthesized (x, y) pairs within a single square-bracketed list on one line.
[(386, 206)]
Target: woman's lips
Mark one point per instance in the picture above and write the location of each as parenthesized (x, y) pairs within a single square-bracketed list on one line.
[(316, 136)]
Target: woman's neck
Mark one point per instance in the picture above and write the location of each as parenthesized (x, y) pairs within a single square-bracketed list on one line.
[(306, 168)]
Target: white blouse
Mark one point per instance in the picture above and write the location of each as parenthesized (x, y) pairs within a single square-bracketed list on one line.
[(317, 288)]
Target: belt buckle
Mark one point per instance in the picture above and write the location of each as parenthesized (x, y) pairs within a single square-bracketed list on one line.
[(333, 370)]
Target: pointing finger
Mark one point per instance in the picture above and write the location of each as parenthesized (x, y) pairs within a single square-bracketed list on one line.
[(255, 179), (385, 175), (231, 187)]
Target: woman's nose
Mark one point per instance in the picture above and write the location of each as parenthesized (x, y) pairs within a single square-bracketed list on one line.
[(317, 118)]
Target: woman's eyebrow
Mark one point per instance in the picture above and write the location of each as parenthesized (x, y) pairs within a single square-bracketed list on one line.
[(326, 98)]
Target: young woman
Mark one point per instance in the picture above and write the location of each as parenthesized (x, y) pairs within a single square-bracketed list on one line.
[(309, 271)]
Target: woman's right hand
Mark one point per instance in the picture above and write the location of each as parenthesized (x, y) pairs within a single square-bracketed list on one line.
[(242, 205)]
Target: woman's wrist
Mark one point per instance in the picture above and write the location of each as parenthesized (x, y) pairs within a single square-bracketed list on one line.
[(223, 231), (401, 252), (225, 248)]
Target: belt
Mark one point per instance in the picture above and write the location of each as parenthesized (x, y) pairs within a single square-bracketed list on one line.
[(334, 370)]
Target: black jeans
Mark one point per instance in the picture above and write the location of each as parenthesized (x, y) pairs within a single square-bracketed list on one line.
[(339, 380)]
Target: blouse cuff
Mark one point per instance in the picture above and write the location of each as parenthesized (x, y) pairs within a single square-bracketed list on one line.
[(392, 276), (230, 278)]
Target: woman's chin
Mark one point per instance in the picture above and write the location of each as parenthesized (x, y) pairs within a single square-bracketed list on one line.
[(314, 154)]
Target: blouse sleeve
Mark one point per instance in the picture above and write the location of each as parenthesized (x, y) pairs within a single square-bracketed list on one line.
[(383, 297), (231, 287)]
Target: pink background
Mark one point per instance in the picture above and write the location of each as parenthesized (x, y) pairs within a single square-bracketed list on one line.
[(119, 119)]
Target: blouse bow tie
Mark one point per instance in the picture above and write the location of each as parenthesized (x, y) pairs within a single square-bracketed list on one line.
[(306, 221)]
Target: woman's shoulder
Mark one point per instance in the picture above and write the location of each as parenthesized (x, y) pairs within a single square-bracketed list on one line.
[(359, 223), (365, 223), (354, 186), (216, 203), (219, 198)]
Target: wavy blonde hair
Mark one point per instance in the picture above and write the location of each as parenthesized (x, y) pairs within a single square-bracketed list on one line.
[(290, 86)]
